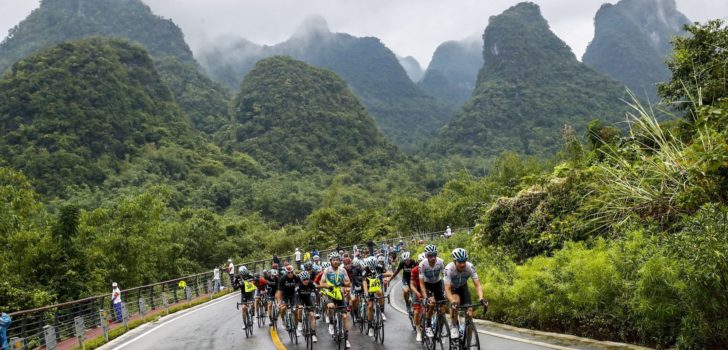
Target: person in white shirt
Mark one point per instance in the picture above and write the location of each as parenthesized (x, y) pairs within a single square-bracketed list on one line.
[(298, 259), (448, 232), (231, 270), (116, 300)]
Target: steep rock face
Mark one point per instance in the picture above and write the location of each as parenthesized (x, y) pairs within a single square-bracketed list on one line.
[(293, 116), (56, 21), (82, 107), (632, 41), (453, 70), (404, 113), (530, 86), (412, 67)]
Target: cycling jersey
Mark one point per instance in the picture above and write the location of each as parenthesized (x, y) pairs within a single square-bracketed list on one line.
[(272, 286), (415, 277), (304, 293), (288, 285), (458, 279), (317, 280), (431, 274), (406, 266), (356, 276), (262, 284), (374, 282), (336, 277)]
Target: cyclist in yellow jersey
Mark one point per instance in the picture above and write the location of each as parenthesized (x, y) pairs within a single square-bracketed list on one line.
[(334, 279), (373, 287)]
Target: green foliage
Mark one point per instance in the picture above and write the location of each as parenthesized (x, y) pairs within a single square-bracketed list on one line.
[(405, 114), (631, 42), (116, 105), (698, 68), (452, 72), (59, 20), (292, 116), (530, 87), (204, 101)]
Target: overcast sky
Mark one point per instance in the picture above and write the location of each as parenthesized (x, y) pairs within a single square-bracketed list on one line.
[(407, 27)]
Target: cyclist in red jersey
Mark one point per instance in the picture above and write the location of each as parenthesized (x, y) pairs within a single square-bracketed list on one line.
[(416, 295)]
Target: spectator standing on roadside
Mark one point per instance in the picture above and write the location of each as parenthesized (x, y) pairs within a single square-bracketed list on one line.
[(298, 259), (231, 270), (306, 257), (116, 300), (216, 280), (448, 232), (5, 321), (276, 259), (314, 252)]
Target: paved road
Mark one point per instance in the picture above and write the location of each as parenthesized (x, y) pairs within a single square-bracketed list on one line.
[(217, 326)]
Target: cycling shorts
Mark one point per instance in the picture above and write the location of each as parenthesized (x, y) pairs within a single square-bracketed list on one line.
[(305, 299), (464, 294), (289, 299), (436, 289), (246, 297)]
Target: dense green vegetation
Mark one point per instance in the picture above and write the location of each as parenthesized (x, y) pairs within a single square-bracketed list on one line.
[(405, 114), (618, 236), (529, 88), (632, 41), (453, 70), (56, 21)]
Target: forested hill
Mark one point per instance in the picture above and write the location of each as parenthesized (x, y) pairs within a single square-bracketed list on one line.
[(56, 21), (292, 116), (60, 20), (453, 70), (632, 42), (405, 114), (72, 113), (530, 86)]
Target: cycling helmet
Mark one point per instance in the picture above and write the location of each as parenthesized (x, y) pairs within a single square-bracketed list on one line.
[(316, 258), (316, 269), (372, 263), (307, 265), (305, 275), (459, 254), (334, 255), (243, 270), (326, 265), (431, 249), (421, 257), (405, 255), (274, 273)]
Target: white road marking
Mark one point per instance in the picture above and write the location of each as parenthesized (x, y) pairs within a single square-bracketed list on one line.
[(175, 319), (521, 340)]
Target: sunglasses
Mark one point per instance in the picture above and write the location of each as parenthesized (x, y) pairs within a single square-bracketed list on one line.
[(431, 255)]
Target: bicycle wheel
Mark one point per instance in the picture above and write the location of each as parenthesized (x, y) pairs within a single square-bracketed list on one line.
[(362, 315), (472, 341), (248, 324), (307, 330), (339, 331), (376, 321), (380, 327), (410, 314), (443, 331), (427, 342), (259, 314)]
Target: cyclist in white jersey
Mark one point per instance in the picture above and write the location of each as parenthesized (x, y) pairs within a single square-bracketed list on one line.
[(457, 274), (431, 270)]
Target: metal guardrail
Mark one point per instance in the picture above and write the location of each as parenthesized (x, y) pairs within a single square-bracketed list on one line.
[(30, 328)]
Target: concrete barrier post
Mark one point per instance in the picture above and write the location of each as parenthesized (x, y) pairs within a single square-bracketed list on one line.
[(125, 315), (142, 307), (104, 323), (49, 333), (80, 329)]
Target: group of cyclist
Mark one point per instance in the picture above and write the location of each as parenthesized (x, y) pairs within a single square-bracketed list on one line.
[(345, 281)]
